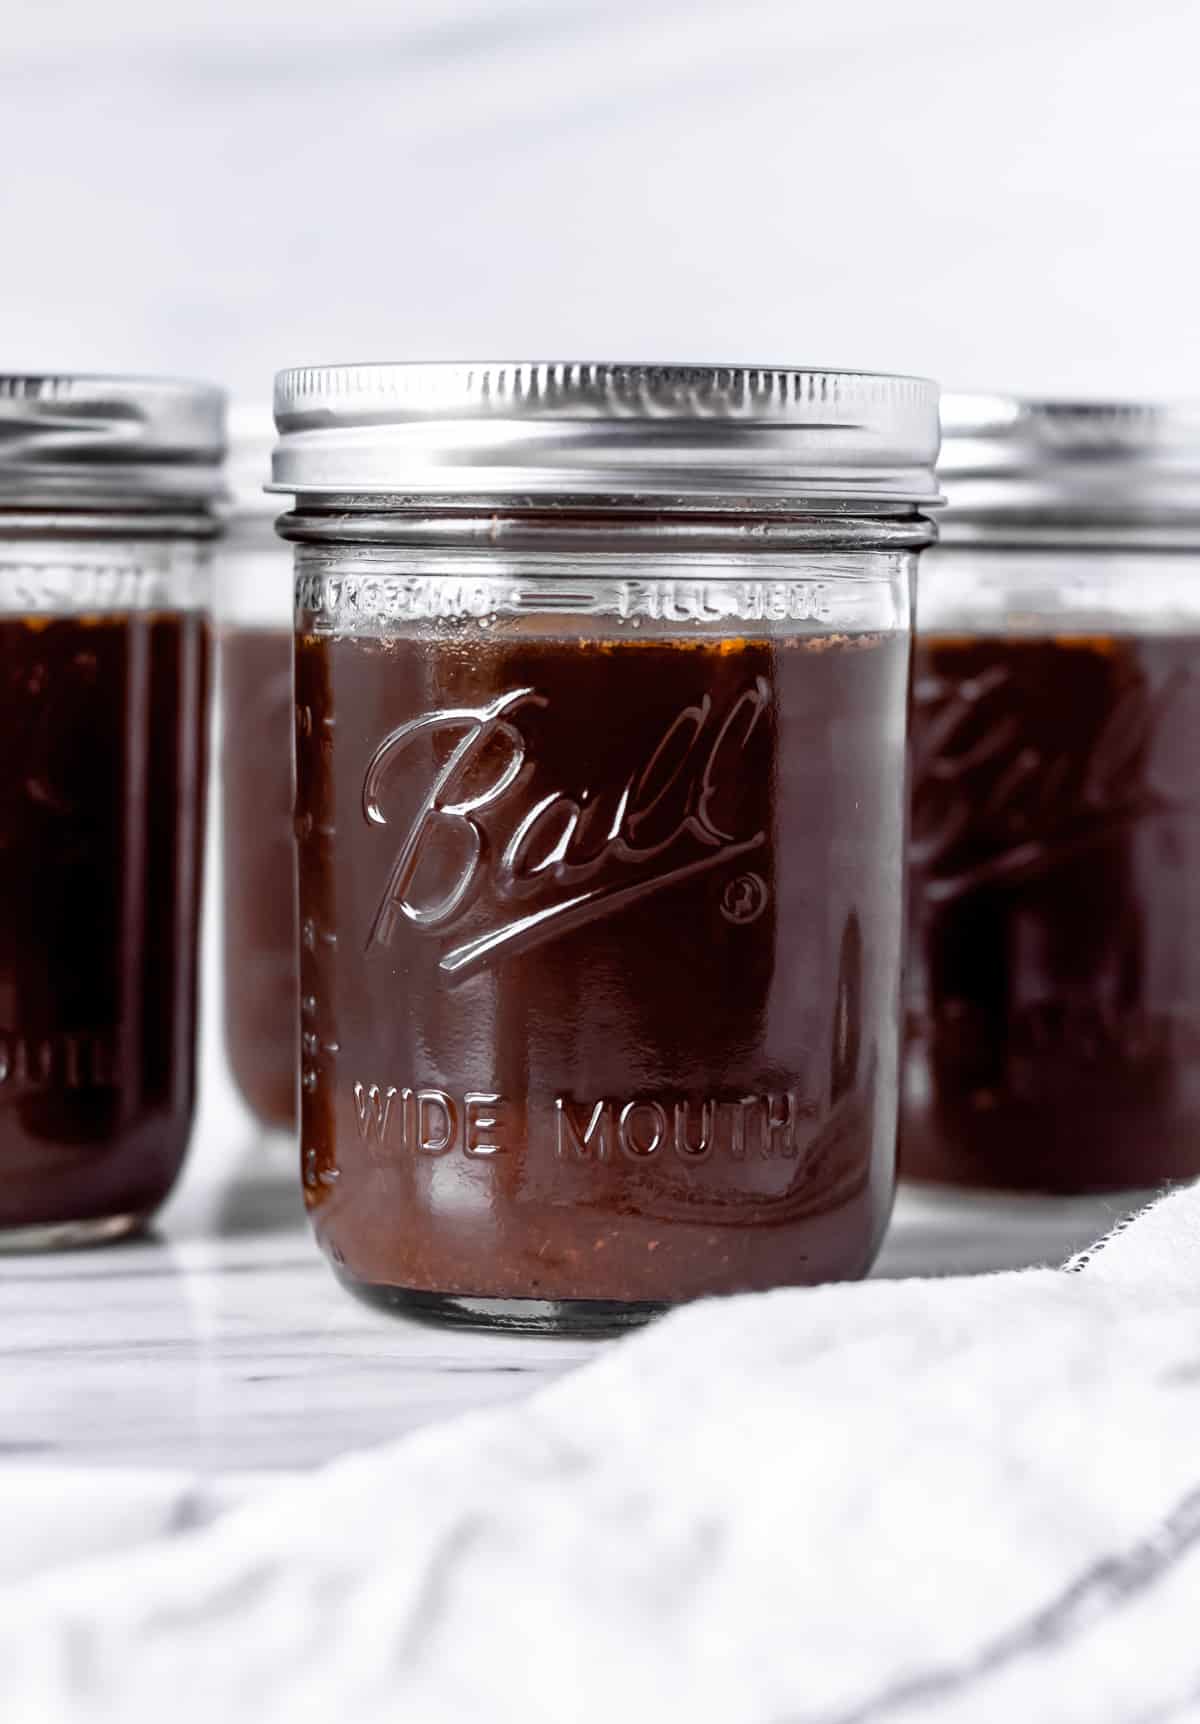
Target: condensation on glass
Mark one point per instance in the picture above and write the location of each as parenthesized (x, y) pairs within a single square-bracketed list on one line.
[(259, 921), (601, 688), (108, 488), (1054, 975)]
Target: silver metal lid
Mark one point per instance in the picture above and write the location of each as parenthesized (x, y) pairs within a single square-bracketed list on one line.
[(1028, 468), (109, 442), (689, 436)]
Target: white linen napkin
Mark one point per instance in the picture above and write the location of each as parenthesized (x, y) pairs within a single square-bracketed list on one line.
[(970, 1499)]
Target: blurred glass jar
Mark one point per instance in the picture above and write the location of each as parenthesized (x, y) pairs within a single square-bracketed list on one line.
[(1054, 977), (107, 495), (602, 679), (261, 938)]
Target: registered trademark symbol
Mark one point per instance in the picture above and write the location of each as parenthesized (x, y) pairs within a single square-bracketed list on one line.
[(744, 898)]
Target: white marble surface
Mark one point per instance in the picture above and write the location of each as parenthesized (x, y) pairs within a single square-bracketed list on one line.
[(222, 1346)]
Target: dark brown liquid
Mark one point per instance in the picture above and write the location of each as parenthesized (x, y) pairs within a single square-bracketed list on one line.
[(1055, 974), (100, 839), (600, 960), (261, 965)]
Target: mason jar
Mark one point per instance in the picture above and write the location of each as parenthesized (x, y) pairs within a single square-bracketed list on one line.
[(108, 489), (601, 687), (260, 937), (1054, 983)]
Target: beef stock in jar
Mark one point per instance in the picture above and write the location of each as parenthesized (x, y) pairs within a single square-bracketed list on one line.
[(601, 688)]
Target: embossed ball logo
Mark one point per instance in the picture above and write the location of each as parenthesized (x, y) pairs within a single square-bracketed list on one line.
[(744, 898), (519, 860)]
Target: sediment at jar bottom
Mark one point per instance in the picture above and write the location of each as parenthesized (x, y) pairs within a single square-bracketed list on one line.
[(101, 810), (600, 959), (1054, 973), (262, 992)]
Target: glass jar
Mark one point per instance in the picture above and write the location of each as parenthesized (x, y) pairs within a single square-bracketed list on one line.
[(260, 934), (107, 494), (1054, 977), (601, 688)]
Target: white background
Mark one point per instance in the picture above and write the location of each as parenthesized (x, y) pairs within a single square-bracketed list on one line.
[(999, 196)]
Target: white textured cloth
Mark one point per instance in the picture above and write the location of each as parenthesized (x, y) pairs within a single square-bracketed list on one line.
[(964, 1500)]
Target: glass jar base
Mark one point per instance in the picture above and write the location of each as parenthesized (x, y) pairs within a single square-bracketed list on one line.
[(518, 1316), (69, 1235)]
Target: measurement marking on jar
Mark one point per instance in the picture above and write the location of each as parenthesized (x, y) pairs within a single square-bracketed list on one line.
[(319, 1170), (68, 1060), (312, 936)]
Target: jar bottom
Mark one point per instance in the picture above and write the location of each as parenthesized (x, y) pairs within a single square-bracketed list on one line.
[(70, 1235), (517, 1316)]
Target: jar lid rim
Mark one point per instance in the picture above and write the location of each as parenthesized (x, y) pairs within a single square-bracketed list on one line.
[(109, 440), (600, 428), (1068, 462)]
